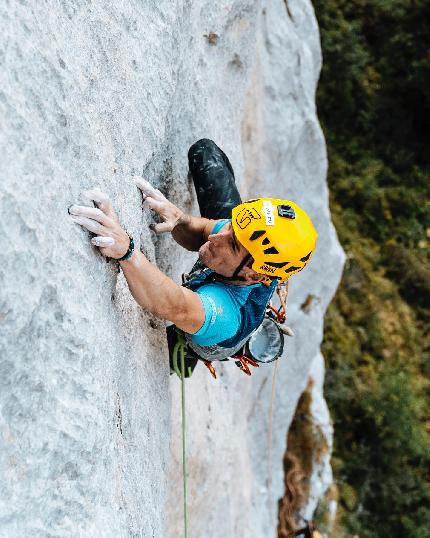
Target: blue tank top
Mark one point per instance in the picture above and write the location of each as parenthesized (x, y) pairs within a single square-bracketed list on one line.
[(247, 306)]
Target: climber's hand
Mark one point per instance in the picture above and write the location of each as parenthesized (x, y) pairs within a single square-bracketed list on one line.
[(155, 200), (102, 220)]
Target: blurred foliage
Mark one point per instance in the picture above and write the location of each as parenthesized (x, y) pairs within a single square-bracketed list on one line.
[(374, 106), (306, 445), (306, 440)]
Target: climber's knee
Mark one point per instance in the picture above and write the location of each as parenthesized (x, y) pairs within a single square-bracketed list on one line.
[(202, 152), (213, 179), (204, 144)]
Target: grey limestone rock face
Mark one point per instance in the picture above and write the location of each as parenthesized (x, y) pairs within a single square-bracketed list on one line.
[(92, 93)]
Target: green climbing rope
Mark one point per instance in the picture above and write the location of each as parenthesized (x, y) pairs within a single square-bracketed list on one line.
[(180, 343), (180, 348)]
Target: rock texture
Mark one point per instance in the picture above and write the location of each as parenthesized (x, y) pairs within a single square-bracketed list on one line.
[(90, 94)]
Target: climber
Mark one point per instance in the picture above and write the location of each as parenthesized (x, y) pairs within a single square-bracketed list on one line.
[(244, 250)]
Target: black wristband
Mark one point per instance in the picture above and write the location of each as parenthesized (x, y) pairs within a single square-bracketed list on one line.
[(129, 252)]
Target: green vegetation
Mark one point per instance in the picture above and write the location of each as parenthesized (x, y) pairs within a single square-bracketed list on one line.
[(374, 105)]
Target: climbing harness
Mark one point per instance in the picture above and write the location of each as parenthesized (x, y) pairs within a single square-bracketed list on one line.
[(265, 344)]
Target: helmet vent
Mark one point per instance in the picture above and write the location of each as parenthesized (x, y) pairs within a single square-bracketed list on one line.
[(306, 258), (277, 264), (258, 233), (271, 250), (265, 241), (291, 269)]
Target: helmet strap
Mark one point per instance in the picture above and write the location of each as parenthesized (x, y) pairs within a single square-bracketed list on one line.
[(238, 269)]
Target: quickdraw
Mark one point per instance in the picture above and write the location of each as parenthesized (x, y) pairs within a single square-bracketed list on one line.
[(210, 367), (242, 362), (279, 314)]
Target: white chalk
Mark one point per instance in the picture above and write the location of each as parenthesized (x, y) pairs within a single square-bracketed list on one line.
[(148, 190), (103, 241)]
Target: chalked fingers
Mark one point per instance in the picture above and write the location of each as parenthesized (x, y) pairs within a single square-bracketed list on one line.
[(148, 190), (91, 225), (91, 212), (101, 199), (103, 241)]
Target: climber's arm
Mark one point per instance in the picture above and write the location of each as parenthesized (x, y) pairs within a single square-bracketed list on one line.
[(190, 232), (158, 294), (152, 289)]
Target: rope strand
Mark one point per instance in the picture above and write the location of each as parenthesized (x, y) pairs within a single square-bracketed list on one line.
[(180, 348), (269, 435)]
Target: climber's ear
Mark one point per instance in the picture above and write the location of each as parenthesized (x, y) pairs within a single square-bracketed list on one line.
[(251, 276)]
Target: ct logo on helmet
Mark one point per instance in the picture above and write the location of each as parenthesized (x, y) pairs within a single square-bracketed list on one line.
[(245, 216)]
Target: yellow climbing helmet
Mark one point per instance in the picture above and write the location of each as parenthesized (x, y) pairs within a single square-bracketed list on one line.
[(278, 234)]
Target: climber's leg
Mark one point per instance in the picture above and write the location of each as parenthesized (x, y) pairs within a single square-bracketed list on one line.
[(213, 178), (217, 194)]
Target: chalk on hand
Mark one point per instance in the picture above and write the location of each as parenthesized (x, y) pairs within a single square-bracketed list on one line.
[(103, 241)]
